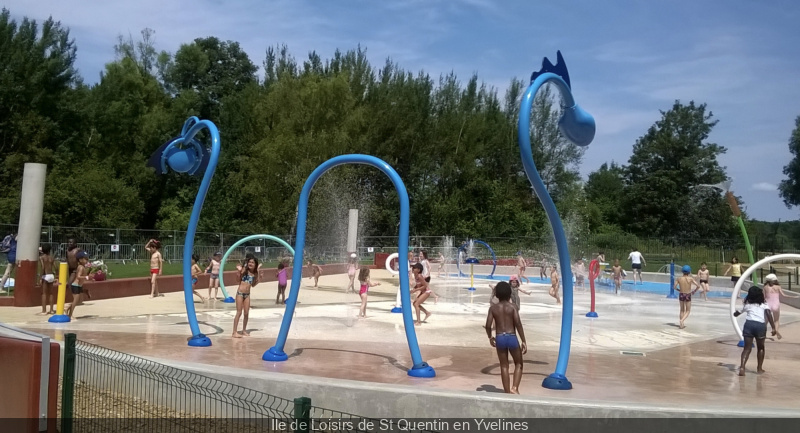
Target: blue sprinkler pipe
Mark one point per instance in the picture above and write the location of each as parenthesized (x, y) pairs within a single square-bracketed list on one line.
[(463, 247), (671, 280), (276, 353), (578, 126), (229, 299)]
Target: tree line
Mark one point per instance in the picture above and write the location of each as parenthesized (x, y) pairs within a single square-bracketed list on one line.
[(453, 143)]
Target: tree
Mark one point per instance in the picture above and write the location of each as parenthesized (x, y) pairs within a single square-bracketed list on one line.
[(790, 187), (668, 163), (605, 189)]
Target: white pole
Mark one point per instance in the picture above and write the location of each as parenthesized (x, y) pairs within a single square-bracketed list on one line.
[(352, 231), (30, 211)]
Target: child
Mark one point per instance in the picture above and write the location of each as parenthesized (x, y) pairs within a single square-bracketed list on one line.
[(248, 278), (156, 263), (684, 284), (363, 278), (421, 286), (280, 298), (772, 295), (617, 271), (543, 269), (48, 279), (521, 265), (213, 281), (442, 262), (426, 272), (196, 272), (757, 311), (81, 276), (735, 269), (580, 271), (508, 324), (352, 267), (702, 276), (515, 289), (554, 284), (316, 271)]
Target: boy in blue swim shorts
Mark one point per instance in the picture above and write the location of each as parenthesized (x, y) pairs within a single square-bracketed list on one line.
[(506, 320)]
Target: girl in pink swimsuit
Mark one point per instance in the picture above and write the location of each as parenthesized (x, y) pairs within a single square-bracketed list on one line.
[(772, 294), (363, 279), (352, 266)]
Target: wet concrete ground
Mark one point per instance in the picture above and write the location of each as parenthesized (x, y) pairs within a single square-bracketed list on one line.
[(669, 366)]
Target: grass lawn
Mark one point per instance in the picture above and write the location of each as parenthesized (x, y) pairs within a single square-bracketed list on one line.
[(133, 270)]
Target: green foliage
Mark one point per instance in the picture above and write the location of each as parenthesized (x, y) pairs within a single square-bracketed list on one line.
[(790, 187)]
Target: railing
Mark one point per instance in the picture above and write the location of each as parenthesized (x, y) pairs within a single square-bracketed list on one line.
[(107, 390)]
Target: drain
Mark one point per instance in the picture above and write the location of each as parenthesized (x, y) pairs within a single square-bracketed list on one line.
[(625, 352)]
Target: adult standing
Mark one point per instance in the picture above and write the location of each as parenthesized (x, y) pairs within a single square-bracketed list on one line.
[(9, 250), (637, 261)]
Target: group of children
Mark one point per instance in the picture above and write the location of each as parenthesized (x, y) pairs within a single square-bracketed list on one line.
[(78, 274)]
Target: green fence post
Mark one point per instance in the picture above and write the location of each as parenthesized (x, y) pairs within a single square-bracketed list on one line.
[(302, 414), (68, 384)]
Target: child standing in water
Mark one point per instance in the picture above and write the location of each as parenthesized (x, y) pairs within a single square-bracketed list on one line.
[(420, 286), (757, 313), (442, 263), (81, 276), (248, 278), (580, 273), (156, 264), (684, 285), (213, 281), (363, 279), (554, 284), (316, 271), (772, 294), (48, 280), (513, 281), (543, 269), (521, 265), (280, 298), (196, 272), (505, 318), (352, 267), (702, 276), (617, 271)]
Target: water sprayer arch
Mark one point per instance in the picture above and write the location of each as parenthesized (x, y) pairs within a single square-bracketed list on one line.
[(235, 245), (276, 353)]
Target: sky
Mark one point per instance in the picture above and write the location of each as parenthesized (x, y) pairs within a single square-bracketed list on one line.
[(627, 59)]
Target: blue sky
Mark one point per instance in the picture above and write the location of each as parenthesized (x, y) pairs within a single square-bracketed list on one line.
[(627, 59)]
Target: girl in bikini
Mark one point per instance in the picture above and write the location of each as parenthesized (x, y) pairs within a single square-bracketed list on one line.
[(702, 276), (424, 292), (248, 278), (363, 279)]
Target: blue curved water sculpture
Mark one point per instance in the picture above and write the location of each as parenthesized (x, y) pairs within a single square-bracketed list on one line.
[(184, 154), (276, 352), (463, 248), (578, 127)]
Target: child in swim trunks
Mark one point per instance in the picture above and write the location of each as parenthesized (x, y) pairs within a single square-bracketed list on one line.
[(363, 279), (196, 272), (316, 271), (81, 276), (248, 278), (684, 285), (702, 276), (505, 318), (616, 270), (156, 263), (213, 281), (554, 284), (48, 279)]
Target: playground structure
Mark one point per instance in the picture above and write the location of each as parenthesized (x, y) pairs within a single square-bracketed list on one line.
[(578, 127), (184, 154), (276, 353), (594, 271), (467, 250), (232, 248)]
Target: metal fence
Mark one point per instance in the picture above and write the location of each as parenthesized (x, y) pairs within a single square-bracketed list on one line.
[(123, 245), (106, 390)]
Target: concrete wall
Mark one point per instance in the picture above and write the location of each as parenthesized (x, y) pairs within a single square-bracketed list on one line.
[(20, 376)]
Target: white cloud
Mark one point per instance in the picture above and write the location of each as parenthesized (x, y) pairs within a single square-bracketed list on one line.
[(764, 186)]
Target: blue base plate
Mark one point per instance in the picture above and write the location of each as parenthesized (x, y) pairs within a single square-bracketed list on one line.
[(592, 314), (59, 318), (557, 381), (275, 355), (199, 340), (424, 371), (397, 310), (229, 300)]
